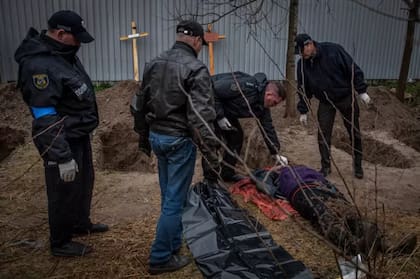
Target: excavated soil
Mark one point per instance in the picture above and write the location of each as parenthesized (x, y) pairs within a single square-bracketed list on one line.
[(126, 194)]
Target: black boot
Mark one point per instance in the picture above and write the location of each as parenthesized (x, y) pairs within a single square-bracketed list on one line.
[(325, 171), (358, 170), (174, 263), (94, 228), (71, 249)]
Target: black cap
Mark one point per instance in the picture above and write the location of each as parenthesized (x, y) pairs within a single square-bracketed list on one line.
[(191, 28), (300, 41), (72, 23)]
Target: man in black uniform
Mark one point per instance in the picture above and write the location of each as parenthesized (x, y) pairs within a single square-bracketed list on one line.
[(62, 101), (239, 95), (328, 72)]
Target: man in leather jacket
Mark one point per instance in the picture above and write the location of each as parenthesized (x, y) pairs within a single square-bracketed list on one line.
[(240, 95), (62, 101), (174, 108), (328, 72)]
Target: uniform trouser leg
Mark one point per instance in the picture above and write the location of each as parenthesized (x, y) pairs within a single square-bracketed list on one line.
[(234, 140), (83, 158), (326, 116), (60, 208), (66, 200), (350, 109)]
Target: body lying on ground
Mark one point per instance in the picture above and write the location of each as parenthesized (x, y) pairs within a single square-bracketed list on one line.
[(319, 201)]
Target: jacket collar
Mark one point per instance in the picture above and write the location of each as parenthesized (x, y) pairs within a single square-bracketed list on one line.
[(318, 49), (186, 47)]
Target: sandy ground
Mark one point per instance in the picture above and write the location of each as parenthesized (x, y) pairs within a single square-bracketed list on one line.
[(127, 194)]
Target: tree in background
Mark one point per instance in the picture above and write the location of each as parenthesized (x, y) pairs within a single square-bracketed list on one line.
[(413, 18), (290, 64)]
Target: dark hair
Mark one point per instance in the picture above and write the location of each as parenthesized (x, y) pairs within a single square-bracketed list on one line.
[(278, 88)]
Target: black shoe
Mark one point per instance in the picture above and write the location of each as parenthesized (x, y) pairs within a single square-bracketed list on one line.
[(176, 251), (325, 171), (233, 178), (71, 249), (358, 172), (95, 228), (175, 262)]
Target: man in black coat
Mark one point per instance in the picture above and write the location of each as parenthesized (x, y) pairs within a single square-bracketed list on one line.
[(173, 111), (240, 95), (328, 72), (61, 98)]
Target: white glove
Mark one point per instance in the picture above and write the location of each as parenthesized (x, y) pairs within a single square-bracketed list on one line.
[(224, 124), (68, 170), (282, 160), (365, 98), (303, 119)]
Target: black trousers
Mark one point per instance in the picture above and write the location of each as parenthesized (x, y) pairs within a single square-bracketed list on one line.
[(234, 140), (69, 202), (326, 117)]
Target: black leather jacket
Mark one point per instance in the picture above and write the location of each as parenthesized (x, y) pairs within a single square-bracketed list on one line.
[(51, 78), (176, 96), (231, 104)]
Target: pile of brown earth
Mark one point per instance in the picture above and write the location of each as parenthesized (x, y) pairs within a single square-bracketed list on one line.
[(115, 140), (15, 119)]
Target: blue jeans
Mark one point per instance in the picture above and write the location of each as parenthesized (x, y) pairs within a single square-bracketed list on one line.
[(176, 160)]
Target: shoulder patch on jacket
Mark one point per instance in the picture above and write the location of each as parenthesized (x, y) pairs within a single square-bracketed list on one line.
[(40, 81)]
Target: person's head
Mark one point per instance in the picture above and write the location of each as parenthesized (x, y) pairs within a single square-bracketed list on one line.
[(304, 45), (67, 27), (192, 33), (274, 94)]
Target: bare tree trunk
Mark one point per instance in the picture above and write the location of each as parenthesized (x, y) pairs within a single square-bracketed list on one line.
[(409, 40), (290, 64)]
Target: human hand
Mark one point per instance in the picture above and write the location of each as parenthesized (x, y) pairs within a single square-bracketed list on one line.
[(303, 119), (68, 170), (144, 146), (224, 124), (211, 174), (365, 98), (282, 160)]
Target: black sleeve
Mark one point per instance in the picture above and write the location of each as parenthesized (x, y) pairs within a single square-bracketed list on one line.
[(138, 107), (303, 90), (44, 89), (347, 64), (201, 102), (49, 138), (271, 140), (218, 105)]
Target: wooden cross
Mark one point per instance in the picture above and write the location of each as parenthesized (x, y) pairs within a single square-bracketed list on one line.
[(210, 38), (134, 35)]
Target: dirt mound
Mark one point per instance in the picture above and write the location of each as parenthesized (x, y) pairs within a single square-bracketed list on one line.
[(15, 119), (374, 151), (389, 114), (15, 113), (9, 139), (115, 140)]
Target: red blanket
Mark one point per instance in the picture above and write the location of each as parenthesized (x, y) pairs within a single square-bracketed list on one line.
[(275, 209)]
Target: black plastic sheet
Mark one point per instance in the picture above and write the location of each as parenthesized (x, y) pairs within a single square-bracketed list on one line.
[(228, 243)]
